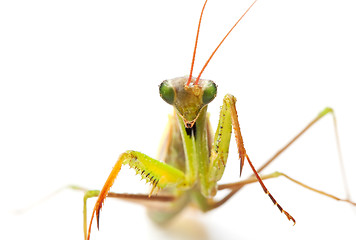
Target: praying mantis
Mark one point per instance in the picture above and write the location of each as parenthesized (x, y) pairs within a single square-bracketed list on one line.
[(71, 73), (193, 160)]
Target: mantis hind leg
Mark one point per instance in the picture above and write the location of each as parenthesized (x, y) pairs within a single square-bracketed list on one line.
[(252, 179)]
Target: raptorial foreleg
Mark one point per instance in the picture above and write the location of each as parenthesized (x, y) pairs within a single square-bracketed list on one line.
[(159, 174)]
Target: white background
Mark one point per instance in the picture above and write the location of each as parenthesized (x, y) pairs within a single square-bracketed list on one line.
[(79, 85)]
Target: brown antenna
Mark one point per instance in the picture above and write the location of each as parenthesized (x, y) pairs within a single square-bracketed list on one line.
[(195, 47), (211, 56)]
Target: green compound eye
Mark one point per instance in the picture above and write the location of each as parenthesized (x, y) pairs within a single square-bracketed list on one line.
[(209, 92), (166, 92)]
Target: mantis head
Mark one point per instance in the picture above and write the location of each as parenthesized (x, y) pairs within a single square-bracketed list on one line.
[(188, 100)]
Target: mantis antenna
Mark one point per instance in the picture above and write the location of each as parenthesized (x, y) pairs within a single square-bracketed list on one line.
[(195, 46), (211, 56)]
